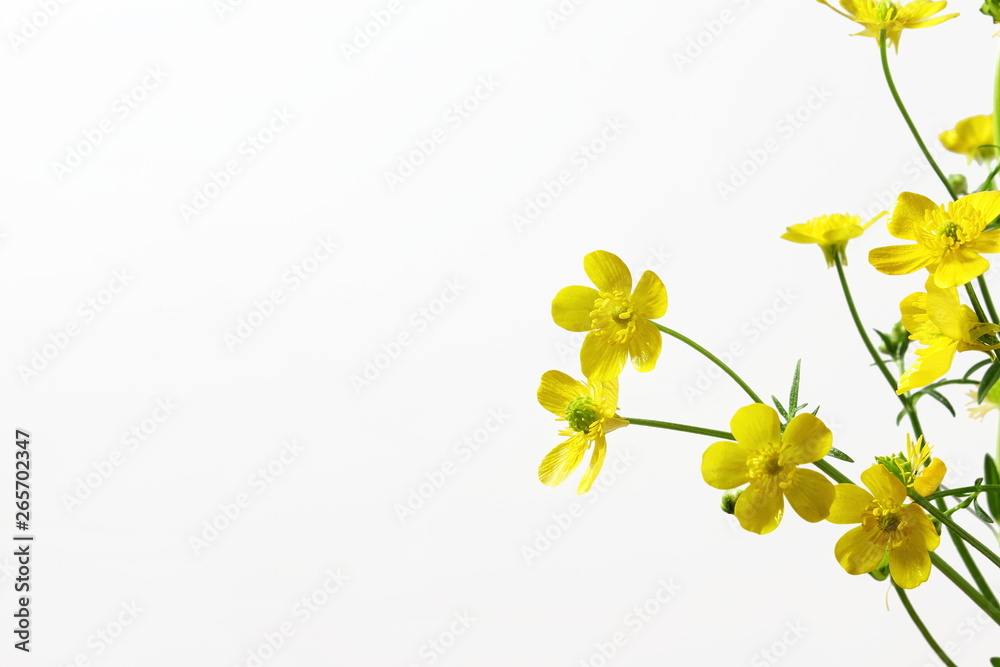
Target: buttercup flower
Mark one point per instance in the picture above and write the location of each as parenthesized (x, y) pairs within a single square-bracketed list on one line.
[(769, 460), (939, 321), (887, 525), (916, 469), (831, 232), (973, 138), (891, 16), (990, 402), (616, 317), (589, 412), (948, 238)]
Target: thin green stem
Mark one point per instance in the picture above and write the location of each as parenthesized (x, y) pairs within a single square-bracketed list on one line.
[(957, 529), (670, 426), (965, 587), (832, 472), (906, 116), (988, 299), (711, 357), (917, 621), (976, 306), (962, 491), (970, 564), (905, 400), (988, 183)]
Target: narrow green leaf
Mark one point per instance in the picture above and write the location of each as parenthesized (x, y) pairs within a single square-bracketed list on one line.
[(815, 411), (793, 395), (975, 367), (990, 378), (899, 417), (837, 454), (992, 476), (781, 409), (983, 516), (936, 395), (886, 343)]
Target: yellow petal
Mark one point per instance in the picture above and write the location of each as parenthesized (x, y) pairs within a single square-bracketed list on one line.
[(908, 215), (897, 260), (810, 494), (959, 267), (557, 390), (759, 509), (883, 484), (912, 307), (930, 478), (985, 242), (944, 310), (986, 204), (571, 307), (857, 553), (756, 425), (724, 465), (909, 565), (922, 531), (645, 345), (594, 469), (600, 360), (562, 461), (932, 362), (608, 272), (849, 501), (806, 439), (650, 296), (605, 394)]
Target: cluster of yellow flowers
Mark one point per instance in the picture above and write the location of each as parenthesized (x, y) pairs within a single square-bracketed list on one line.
[(760, 462)]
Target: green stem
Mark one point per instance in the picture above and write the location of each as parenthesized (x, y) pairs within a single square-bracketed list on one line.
[(907, 404), (976, 306), (977, 576), (988, 299), (670, 426), (832, 472), (923, 628), (962, 491), (988, 183), (906, 116), (965, 587), (957, 529), (711, 357)]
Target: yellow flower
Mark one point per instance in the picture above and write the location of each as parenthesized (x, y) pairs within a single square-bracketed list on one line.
[(616, 317), (939, 321), (973, 138), (768, 459), (891, 16), (916, 469), (589, 411), (831, 232), (948, 237), (990, 402), (887, 525)]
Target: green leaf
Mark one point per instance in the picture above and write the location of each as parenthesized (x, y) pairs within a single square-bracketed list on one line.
[(979, 511), (994, 662), (899, 417), (888, 346), (975, 367), (781, 409), (992, 476), (815, 411), (837, 454), (990, 378), (992, 9), (793, 395), (936, 395)]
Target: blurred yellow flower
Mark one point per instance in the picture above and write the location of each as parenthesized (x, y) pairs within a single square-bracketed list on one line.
[(616, 317), (939, 321), (887, 525), (891, 16), (769, 460), (589, 411), (990, 402), (973, 138), (830, 232), (948, 238)]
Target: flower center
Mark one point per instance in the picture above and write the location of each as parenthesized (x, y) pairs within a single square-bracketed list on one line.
[(613, 317), (764, 465), (581, 413), (950, 229), (884, 518), (886, 11)]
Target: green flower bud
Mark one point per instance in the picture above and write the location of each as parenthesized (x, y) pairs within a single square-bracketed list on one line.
[(992, 9), (959, 183), (729, 499)]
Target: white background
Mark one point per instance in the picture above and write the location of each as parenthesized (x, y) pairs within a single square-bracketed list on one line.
[(652, 196)]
